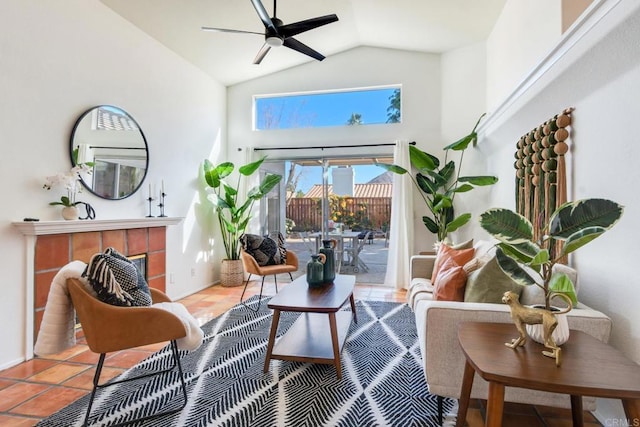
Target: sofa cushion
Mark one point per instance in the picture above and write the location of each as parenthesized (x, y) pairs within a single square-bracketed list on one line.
[(489, 283), (450, 282), (460, 256)]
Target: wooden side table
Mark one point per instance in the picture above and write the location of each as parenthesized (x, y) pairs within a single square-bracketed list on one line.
[(589, 368)]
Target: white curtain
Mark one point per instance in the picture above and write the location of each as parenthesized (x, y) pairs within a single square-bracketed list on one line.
[(401, 227)]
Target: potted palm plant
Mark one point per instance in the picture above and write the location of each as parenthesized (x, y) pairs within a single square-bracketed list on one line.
[(439, 185), (520, 254), (234, 212)]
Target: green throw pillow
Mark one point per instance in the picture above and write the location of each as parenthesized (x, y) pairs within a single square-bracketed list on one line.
[(489, 283)]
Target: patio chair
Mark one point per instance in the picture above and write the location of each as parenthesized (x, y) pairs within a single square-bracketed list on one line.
[(354, 256), (308, 243)]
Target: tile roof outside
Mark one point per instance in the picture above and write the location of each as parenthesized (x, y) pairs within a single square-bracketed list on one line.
[(359, 191)]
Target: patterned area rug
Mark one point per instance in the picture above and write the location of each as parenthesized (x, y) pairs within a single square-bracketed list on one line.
[(382, 384)]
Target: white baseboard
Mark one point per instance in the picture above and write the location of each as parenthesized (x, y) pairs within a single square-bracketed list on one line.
[(12, 363)]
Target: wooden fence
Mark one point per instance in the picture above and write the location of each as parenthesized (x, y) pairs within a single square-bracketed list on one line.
[(365, 212)]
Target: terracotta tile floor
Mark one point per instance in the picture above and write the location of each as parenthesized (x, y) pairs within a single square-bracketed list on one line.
[(39, 387)]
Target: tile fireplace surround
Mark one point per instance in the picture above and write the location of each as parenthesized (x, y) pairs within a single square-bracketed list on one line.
[(52, 244)]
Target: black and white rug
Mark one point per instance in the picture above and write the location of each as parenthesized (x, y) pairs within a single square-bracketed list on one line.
[(382, 381)]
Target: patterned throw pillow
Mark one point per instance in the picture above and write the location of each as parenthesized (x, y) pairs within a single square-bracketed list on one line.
[(116, 280), (279, 238), (263, 249)]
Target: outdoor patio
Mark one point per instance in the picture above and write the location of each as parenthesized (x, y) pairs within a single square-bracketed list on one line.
[(373, 254)]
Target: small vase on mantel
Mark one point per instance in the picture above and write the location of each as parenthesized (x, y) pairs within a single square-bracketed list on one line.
[(70, 213)]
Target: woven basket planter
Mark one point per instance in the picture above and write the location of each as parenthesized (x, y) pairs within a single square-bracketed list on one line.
[(231, 273)]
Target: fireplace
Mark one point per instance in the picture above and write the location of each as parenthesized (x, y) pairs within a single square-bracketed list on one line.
[(53, 244)]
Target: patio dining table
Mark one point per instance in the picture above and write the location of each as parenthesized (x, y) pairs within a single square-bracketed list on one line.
[(340, 238)]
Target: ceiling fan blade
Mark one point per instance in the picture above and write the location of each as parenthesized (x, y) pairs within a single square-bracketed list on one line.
[(262, 53), (227, 30), (294, 44), (291, 30), (262, 13)]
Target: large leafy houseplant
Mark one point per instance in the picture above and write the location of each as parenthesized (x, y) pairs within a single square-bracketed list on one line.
[(574, 224), (439, 185), (232, 212)]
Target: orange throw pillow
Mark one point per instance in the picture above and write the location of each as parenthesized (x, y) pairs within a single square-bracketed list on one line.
[(460, 256), (450, 282)]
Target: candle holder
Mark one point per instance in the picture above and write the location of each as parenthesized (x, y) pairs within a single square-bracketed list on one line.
[(150, 199), (161, 204)]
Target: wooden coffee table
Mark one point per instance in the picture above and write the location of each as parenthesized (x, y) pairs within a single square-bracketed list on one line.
[(307, 339), (589, 368)]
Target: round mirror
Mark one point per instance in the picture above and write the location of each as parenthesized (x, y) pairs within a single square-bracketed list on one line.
[(111, 142)]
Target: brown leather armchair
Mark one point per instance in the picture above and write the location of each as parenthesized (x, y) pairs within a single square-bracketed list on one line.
[(251, 266), (109, 328)]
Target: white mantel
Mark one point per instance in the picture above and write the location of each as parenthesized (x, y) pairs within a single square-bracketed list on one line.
[(38, 228), (32, 229)]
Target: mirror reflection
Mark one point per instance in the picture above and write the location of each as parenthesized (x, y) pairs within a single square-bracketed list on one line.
[(111, 140)]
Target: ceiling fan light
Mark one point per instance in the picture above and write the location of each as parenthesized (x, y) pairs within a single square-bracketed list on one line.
[(274, 41)]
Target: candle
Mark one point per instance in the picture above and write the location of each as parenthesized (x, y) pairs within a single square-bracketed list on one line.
[(163, 186), (150, 190)]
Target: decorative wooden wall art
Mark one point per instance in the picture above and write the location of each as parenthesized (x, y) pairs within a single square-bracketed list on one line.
[(541, 177)]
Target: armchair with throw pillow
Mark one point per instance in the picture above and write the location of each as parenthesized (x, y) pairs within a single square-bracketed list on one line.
[(264, 256)]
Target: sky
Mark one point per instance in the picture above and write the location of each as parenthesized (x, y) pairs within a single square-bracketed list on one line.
[(322, 109)]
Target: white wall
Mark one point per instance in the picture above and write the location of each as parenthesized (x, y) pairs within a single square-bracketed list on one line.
[(464, 95), (524, 33), (418, 73), (600, 77), (59, 58)]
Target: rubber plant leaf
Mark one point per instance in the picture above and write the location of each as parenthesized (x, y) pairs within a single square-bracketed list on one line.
[(581, 238), (512, 269), (458, 222), (479, 180), (421, 160), (250, 168), (519, 255), (560, 283), (572, 217), (507, 226)]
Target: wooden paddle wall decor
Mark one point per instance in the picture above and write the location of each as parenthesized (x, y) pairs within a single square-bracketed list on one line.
[(541, 176)]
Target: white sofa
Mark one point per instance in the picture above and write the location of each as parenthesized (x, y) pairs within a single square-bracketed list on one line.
[(437, 324)]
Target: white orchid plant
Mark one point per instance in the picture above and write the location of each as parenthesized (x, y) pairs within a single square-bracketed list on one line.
[(70, 181)]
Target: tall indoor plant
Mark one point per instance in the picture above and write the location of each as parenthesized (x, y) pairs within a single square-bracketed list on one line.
[(574, 224), (233, 211), (439, 185)]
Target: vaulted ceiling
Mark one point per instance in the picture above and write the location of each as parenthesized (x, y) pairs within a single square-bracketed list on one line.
[(420, 25)]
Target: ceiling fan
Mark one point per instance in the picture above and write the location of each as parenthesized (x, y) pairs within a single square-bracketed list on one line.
[(277, 34)]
